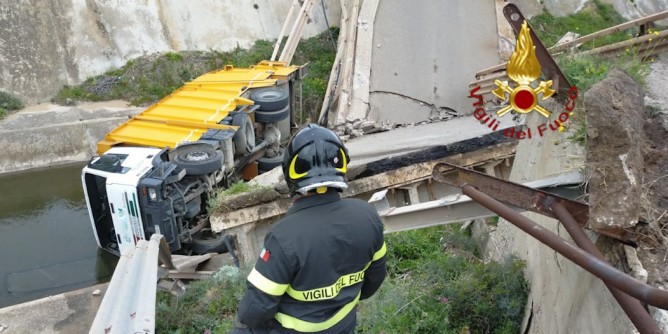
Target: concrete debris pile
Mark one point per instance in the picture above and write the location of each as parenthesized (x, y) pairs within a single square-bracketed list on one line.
[(360, 127)]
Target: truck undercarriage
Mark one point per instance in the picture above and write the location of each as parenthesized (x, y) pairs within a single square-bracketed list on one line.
[(157, 172)]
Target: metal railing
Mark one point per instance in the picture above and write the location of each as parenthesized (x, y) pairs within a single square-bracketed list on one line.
[(129, 302)]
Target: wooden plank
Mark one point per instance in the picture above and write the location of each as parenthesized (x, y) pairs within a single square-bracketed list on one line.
[(657, 40), (490, 70), (286, 23), (296, 32), (334, 79), (611, 30), (419, 171), (601, 33)]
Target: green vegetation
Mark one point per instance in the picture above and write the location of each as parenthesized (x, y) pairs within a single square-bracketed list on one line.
[(236, 188), (585, 71), (207, 306), (146, 80), (318, 53), (428, 290), (9, 102), (596, 16)]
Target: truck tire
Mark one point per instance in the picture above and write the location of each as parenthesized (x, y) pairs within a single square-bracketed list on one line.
[(262, 116), (266, 164), (244, 138), (198, 160), (270, 98)]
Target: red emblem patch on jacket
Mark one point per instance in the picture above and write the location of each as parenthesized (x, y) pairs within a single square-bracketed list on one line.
[(265, 254)]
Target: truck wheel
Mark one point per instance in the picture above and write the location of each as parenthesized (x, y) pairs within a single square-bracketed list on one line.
[(270, 98), (266, 164), (244, 138), (198, 160), (276, 116)]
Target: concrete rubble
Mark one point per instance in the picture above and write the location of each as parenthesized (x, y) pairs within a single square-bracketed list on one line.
[(614, 151)]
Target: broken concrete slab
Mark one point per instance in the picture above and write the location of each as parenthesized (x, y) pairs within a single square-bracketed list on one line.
[(614, 110)]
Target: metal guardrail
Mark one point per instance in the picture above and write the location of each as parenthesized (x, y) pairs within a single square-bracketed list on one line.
[(129, 303)]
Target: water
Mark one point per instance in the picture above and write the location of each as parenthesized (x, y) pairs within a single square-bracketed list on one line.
[(47, 244)]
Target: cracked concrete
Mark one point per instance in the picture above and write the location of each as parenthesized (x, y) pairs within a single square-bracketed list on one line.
[(425, 60)]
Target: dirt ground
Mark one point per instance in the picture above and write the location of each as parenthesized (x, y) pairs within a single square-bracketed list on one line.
[(653, 228), (653, 248)]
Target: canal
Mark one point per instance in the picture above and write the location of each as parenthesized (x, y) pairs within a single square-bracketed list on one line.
[(47, 245)]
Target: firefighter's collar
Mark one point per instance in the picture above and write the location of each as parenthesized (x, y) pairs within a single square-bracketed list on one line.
[(310, 200)]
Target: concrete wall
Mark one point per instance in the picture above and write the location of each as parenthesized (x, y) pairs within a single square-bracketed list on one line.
[(46, 135), (47, 44)]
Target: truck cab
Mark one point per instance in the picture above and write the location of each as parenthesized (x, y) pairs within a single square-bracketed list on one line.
[(157, 172)]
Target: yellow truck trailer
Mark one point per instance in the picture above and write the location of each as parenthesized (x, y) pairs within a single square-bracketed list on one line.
[(156, 172)]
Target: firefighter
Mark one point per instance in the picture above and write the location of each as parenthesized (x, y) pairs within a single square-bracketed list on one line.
[(325, 255)]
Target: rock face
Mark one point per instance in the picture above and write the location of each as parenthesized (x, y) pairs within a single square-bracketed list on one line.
[(614, 151), (47, 44)]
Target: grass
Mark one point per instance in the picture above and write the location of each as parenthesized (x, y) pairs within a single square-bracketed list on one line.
[(207, 306), (585, 71), (236, 188), (145, 80), (594, 17), (432, 291), (427, 291)]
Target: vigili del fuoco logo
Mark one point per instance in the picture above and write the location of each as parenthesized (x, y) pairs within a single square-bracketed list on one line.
[(523, 92)]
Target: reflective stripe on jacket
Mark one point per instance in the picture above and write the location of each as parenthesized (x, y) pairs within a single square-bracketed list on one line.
[(317, 263)]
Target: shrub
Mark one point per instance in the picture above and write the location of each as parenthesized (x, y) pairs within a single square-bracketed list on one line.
[(207, 305), (145, 80), (9, 102), (444, 292)]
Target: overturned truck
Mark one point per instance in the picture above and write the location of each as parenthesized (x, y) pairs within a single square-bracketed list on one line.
[(156, 172)]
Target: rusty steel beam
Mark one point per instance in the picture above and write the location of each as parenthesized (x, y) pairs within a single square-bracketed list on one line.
[(549, 66), (589, 262), (632, 307), (514, 194)]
